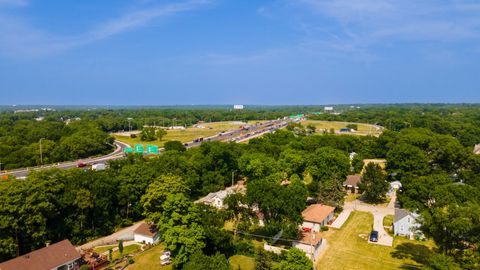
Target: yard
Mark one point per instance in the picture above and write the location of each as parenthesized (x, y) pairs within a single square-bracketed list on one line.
[(363, 129), (242, 262), (348, 248), (150, 259), (186, 135)]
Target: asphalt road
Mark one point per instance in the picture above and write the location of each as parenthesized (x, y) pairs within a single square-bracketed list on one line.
[(118, 153), (235, 136)]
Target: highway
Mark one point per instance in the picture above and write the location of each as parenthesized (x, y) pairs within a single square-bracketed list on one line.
[(118, 153), (238, 135)]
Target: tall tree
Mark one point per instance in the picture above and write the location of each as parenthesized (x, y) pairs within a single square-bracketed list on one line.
[(374, 183), (295, 259)]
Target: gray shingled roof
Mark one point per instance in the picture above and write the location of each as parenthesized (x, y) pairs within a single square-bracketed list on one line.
[(401, 213)]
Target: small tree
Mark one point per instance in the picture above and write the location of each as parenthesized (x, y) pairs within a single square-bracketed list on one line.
[(110, 256), (161, 133), (262, 260), (148, 134), (120, 247), (174, 145)]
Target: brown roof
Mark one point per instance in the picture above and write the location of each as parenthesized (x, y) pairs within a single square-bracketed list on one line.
[(317, 212), (145, 230), (353, 180), (310, 238), (45, 258)]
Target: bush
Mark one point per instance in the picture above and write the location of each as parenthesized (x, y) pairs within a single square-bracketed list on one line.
[(130, 260), (244, 248), (324, 228), (84, 267), (133, 136)]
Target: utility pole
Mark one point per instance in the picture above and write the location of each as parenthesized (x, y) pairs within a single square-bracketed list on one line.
[(128, 205), (233, 174), (41, 155)]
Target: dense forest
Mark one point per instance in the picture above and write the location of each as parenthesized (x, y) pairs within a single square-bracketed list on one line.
[(438, 170)]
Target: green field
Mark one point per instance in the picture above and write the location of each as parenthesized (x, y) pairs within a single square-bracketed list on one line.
[(363, 129), (348, 248), (240, 262), (186, 135), (150, 259)]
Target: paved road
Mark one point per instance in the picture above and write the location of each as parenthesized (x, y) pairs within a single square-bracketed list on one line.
[(112, 238), (118, 153), (235, 135)]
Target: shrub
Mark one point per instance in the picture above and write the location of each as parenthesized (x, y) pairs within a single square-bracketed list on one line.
[(324, 228), (84, 267), (244, 248), (130, 260)]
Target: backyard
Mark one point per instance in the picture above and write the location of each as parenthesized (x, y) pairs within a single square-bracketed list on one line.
[(348, 248), (149, 259)]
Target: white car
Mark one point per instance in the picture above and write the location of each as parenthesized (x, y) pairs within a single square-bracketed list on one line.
[(163, 263)]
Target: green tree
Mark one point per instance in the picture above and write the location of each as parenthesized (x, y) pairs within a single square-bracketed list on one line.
[(148, 134), (157, 192), (200, 261), (441, 262), (120, 246), (295, 259), (331, 192), (174, 146), (374, 184), (262, 260), (160, 133), (404, 158)]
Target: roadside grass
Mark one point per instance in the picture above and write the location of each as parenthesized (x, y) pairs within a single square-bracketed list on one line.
[(242, 262), (348, 248), (363, 129), (149, 259), (186, 135)]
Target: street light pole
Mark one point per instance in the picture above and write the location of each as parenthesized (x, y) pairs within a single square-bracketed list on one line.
[(41, 155)]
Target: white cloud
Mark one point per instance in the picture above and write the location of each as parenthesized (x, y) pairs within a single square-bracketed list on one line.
[(21, 38)]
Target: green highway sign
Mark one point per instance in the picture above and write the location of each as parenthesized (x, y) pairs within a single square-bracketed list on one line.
[(128, 150), (139, 148), (152, 149)]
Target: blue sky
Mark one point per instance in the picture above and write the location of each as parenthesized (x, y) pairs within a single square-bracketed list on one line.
[(159, 52)]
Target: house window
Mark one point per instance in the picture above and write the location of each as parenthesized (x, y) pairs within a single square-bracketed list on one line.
[(70, 266), (408, 220)]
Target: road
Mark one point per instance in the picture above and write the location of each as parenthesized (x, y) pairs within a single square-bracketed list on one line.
[(235, 135), (118, 153)]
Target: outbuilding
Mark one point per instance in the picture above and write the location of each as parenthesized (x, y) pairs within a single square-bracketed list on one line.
[(146, 234)]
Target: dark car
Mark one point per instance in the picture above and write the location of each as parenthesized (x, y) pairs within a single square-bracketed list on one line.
[(374, 236)]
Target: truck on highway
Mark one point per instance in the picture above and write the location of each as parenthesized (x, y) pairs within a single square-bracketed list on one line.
[(99, 167)]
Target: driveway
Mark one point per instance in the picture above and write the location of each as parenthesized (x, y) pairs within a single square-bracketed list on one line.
[(378, 212), (112, 238)]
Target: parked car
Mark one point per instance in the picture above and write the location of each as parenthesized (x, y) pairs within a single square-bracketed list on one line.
[(374, 236), (167, 262), (167, 253)]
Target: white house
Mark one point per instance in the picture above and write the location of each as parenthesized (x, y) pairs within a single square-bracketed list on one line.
[(146, 234), (311, 243), (216, 199), (317, 215), (406, 223)]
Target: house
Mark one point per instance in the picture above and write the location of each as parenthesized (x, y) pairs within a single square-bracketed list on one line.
[(58, 256), (352, 181), (311, 243), (317, 215), (145, 234), (406, 223), (216, 199)]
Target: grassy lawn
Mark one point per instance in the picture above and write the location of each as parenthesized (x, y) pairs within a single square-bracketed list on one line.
[(363, 129), (186, 135), (242, 262), (149, 260), (126, 250), (101, 249), (348, 248)]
